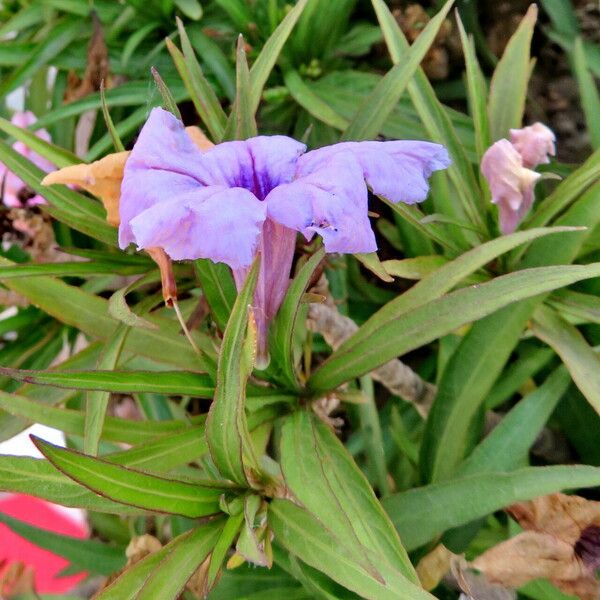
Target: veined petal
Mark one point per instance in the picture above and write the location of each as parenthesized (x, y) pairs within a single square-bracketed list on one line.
[(332, 201), (222, 224), (258, 164), (396, 170)]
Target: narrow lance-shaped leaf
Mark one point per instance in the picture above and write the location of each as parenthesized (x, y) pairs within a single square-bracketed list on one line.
[(441, 281), (97, 402), (39, 478), (264, 63), (180, 564), (135, 488), (116, 140), (370, 117), (165, 572), (203, 96), (85, 555), (72, 421), (510, 80), (588, 90), (476, 91), (218, 287), (509, 442), (339, 495), (241, 124), (418, 516), (428, 322), (55, 154), (122, 382), (284, 326), (226, 427), (579, 358), (312, 542)]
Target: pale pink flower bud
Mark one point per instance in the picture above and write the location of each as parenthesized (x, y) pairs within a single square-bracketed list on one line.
[(510, 182), (534, 143)]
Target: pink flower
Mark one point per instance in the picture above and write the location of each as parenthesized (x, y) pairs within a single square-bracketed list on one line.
[(15, 193), (42, 566), (534, 143), (510, 182)]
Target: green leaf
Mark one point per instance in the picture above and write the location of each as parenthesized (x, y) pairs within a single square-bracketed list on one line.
[(567, 192), (180, 383), (159, 571), (369, 118), (96, 403), (371, 261), (575, 306), (414, 268), (226, 539), (283, 334), (218, 287), (588, 91), (511, 78), (201, 92), (168, 581), (507, 445), (226, 427), (89, 313), (132, 487), (517, 374), (85, 555), (339, 494), (265, 61), (72, 421), (316, 545), (579, 358), (417, 515), (311, 102), (169, 102), (190, 8), (118, 308), (72, 269), (241, 124), (452, 424), (39, 478), (55, 154), (116, 140), (422, 299), (56, 40), (476, 91)]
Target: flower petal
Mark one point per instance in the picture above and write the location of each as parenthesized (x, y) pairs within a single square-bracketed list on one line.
[(510, 183), (332, 201), (258, 164), (222, 224), (534, 143), (396, 170)]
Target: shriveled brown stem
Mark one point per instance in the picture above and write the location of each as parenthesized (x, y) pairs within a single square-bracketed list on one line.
[(397, 377)]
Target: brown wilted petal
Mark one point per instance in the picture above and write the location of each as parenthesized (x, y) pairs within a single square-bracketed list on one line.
[(96, 70), (101, 178)]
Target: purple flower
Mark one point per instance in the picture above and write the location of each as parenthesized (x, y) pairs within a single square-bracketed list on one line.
[(15, 193), (241, 198)]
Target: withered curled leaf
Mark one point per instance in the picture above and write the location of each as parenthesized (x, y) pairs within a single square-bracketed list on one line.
[(561, 543)]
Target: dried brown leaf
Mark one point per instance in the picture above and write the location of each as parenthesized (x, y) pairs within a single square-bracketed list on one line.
[(561, 543), (96, 70)]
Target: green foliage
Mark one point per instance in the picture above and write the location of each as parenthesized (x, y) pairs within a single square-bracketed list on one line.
[(230, 460)]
